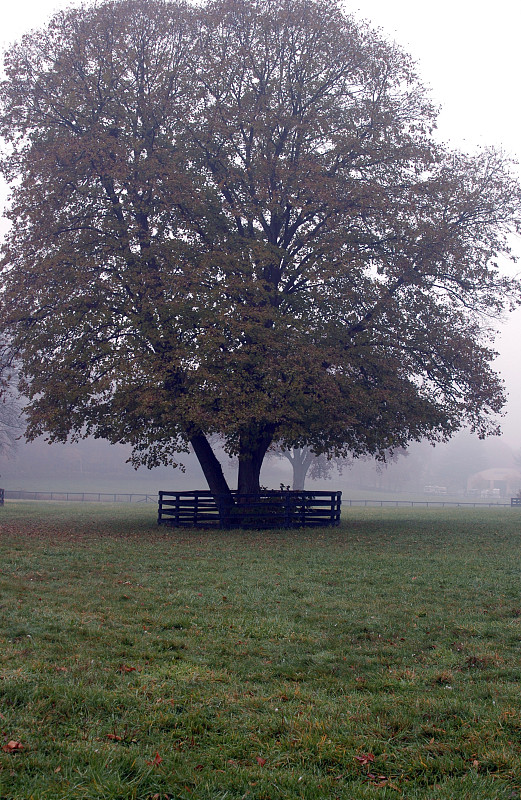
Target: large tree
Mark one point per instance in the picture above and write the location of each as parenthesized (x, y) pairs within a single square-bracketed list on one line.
[(234, 220)]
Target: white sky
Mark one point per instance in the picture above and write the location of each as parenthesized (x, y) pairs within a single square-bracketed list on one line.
[(468, 54)]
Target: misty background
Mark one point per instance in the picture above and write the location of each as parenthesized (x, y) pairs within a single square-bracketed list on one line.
[(423, 470)]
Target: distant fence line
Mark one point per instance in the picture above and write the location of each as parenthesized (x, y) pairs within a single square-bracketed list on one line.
[(141, 497), (426, 503), (82, 497)]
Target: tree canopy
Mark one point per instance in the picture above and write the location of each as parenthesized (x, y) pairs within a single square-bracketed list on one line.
[(234, 219)]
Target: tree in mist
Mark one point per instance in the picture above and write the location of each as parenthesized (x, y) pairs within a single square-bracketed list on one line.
[(11, 427), (305, 462), (234, 220), (11, 422)]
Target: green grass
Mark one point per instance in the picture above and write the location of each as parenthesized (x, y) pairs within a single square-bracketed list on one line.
[(377, 660)]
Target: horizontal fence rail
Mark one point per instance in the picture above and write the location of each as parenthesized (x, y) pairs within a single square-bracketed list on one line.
[(269, 509), (82, 497), (373, 503)]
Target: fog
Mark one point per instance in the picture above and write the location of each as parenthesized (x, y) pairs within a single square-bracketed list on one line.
[(96, 466)]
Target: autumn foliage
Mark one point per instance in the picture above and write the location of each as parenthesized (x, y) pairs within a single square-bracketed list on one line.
[(234, 220)]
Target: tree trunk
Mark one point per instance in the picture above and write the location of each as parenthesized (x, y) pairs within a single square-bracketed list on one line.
[(253, 446), (300, 459), (214, 475), (252, 449), (300, 469)]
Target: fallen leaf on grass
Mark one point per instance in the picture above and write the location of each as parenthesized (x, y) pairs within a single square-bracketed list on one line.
[(365, 759), (382, 781), (126, 668), (156, 762), (260, 761), (13, 747), (114, 737)]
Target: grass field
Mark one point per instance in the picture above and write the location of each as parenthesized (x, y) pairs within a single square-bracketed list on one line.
[(377, 660)]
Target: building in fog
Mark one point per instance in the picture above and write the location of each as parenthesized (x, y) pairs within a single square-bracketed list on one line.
[(495, 482)]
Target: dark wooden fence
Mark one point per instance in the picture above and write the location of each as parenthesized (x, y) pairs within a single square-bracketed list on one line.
[(269, 509), (1, 497)]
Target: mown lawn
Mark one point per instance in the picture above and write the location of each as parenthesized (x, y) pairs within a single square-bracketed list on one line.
[(377, 660)]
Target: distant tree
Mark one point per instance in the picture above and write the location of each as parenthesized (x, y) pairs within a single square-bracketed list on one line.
[(11, 424), (11, 427), (303, 461), (234, 220)]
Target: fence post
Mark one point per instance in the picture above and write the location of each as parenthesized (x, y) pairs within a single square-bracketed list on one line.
[(337, 508), (176, 511), (288, 511), (160, 508)]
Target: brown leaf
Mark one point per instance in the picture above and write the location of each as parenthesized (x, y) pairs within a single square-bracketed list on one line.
[(365, 759), (114, 737), (261, 761), (126, 668), (156, 762), (13, 747)]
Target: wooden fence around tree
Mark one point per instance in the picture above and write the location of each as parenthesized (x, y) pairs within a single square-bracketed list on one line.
[(269, 509)]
